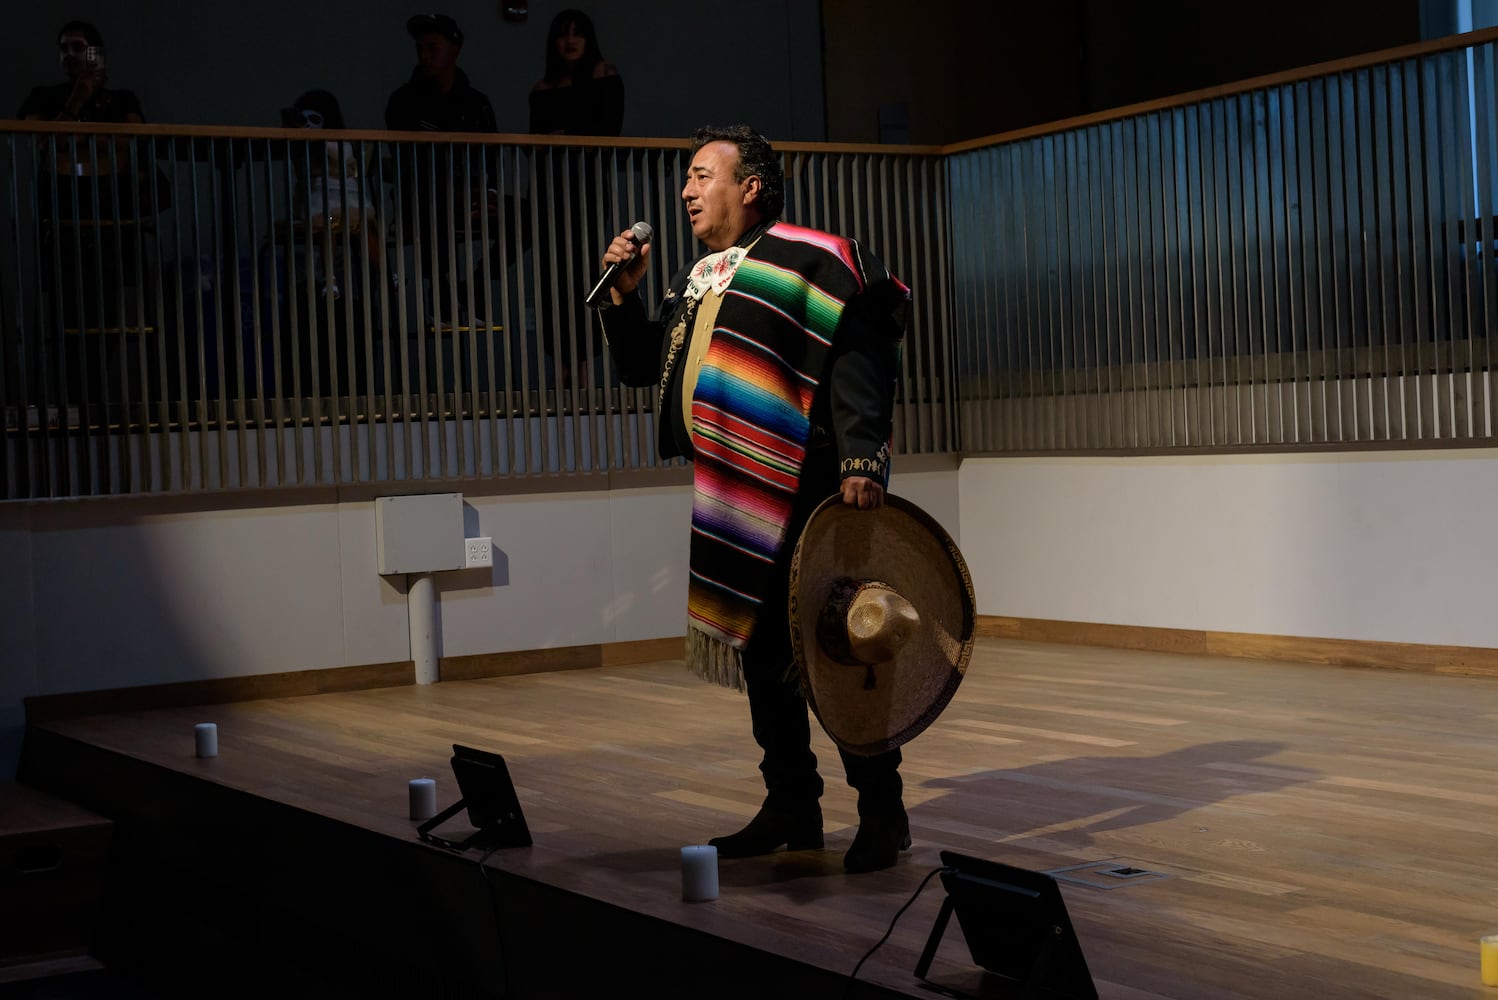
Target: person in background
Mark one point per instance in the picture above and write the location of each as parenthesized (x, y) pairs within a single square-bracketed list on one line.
[(439, 98), (333, 248), (581, 93), (86, 95), (330, 191), (86, 183)]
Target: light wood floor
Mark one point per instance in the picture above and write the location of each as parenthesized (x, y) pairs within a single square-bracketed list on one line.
[(1323, 831)]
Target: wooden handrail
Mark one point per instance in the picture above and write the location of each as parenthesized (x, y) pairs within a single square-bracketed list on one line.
[(468, 138), (368, 135)]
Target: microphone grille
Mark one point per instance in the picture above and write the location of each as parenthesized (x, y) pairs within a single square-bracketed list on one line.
[(642, 231)]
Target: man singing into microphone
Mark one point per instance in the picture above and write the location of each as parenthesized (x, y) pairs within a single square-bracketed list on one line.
[(776, 355)]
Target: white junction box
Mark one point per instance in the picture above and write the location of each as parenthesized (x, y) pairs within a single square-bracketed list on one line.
[(419, 534)]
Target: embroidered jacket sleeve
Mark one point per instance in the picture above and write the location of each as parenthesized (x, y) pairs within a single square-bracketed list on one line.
[(636, 341), (865, 366)]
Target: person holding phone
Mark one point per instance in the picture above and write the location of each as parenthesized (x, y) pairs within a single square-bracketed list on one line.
[(92, 189), (85, 96)]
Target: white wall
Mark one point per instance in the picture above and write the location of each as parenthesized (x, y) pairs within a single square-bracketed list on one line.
[(683, 64), (119, 593), (1394, 546), (131, 592), (930, 482), (572, 569)]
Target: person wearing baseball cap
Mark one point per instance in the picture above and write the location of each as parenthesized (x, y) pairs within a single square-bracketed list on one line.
[(440, 24), (438, 97)]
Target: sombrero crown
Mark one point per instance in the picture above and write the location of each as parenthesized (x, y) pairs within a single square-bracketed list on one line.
[(882, 617)]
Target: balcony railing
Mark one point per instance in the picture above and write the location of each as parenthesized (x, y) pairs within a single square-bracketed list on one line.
[(1306, 261), (1302, 261), (199, 309)]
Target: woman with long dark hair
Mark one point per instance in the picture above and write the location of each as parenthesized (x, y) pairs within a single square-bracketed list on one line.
[(581, 93)]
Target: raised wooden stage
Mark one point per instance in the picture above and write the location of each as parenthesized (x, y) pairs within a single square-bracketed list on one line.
[(1318, 832)]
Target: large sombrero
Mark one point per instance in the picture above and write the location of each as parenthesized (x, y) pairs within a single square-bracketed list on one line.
[(881, 621)]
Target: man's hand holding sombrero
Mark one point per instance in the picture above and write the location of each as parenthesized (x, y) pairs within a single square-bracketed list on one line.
[(862, 492)]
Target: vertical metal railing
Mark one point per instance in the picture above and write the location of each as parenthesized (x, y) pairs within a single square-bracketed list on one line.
[(1307, 262), (210, 309), (1303, 263)]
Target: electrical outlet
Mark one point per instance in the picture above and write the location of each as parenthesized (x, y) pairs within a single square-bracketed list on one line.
[(478, 552)]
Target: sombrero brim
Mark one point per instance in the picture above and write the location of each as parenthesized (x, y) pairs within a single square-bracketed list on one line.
[(903, 546)]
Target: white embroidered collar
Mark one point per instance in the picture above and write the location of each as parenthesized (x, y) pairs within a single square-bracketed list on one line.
[(714, 272)]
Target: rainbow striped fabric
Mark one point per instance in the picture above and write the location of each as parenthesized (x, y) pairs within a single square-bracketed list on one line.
[(750, 422)]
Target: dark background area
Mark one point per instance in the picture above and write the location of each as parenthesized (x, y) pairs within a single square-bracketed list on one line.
[(839, 70), (939, 73)]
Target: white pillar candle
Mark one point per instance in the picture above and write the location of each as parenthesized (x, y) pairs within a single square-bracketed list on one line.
[(423, 795), (206, 736), (699, 873)]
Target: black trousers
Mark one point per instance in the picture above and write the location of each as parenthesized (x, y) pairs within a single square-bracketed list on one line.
[(777, 709)]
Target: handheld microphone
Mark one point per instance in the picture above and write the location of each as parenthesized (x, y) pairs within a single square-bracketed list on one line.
[(599, 296)]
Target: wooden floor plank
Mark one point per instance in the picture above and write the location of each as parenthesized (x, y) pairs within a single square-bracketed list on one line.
[(1325, 831)]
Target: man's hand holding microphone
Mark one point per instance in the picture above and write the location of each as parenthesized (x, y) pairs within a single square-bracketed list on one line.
[(624, 264)]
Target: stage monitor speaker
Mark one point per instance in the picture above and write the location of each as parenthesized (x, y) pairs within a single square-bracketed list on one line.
[(489, 796), (1017, 928)]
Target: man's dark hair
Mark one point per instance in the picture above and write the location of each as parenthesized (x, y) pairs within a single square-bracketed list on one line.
[(757, 158), (88, 31), (556, 66)]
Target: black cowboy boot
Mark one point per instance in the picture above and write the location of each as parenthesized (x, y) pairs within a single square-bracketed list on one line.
[(880, 839), (798, 829)]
